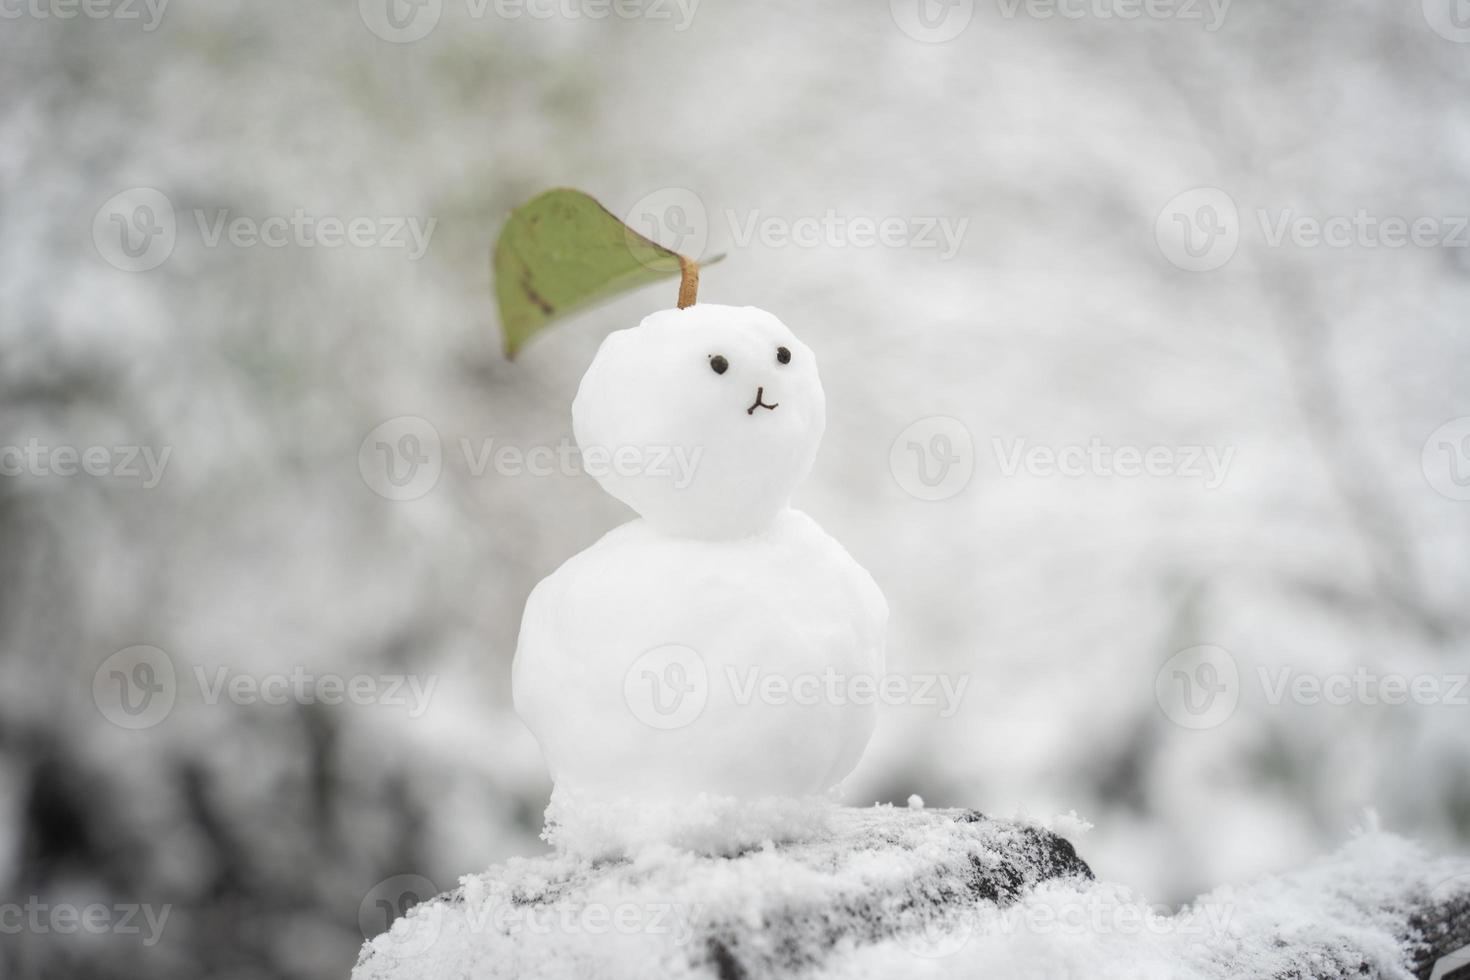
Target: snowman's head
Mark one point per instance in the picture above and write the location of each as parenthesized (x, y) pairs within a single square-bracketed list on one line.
[(703, 420)]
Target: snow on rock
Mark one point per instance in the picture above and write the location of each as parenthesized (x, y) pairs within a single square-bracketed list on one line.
[(908, 892), (1380, 907), (879, 875)]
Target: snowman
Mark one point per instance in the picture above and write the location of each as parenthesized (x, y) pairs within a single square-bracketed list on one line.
[(721, 643)]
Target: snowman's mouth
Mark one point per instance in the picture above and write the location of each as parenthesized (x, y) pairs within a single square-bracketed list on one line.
[(759, 394)]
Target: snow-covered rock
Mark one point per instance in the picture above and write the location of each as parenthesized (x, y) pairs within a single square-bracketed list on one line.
[(887, 892), (878, 875)]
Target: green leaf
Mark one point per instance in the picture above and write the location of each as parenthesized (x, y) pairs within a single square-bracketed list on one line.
[(561, 252)]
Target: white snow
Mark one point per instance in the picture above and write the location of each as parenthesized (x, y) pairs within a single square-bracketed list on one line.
[(1344, 911), (600, 828), (875, 894)]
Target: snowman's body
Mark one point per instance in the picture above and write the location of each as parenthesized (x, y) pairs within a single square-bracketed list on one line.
[(723, 643)]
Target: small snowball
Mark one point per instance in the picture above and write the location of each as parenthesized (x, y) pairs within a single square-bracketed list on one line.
[(695, 450), (663, 667)]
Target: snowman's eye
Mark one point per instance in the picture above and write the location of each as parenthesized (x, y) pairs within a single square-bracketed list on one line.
[(718, 364), (783, 355)]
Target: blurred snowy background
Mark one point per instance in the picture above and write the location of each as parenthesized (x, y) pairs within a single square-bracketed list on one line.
[(169, 178)]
